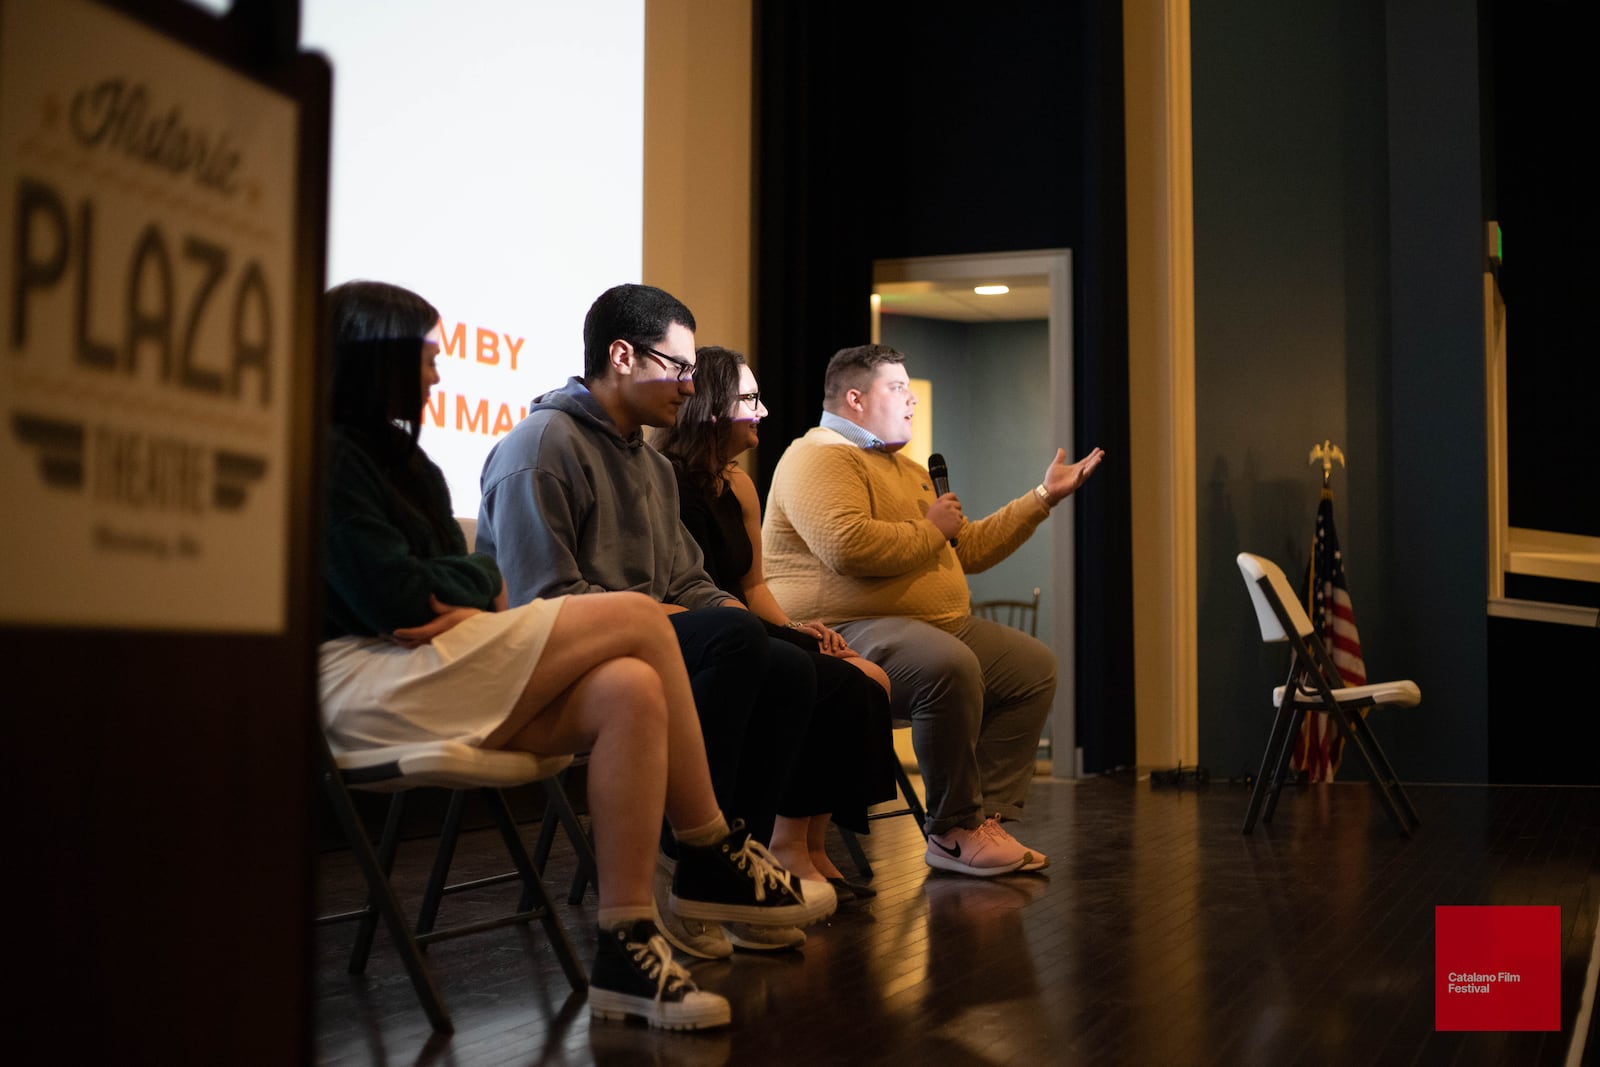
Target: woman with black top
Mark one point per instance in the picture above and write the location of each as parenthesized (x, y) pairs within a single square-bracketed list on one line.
[(846, 766), (419, 646)]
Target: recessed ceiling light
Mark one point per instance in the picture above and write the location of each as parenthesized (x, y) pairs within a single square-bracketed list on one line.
[(991, 290)]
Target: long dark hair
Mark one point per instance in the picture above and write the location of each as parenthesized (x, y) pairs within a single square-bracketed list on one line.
[(377, 331), (699, 440)]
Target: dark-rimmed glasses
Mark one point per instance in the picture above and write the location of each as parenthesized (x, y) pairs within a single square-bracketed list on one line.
[(684, 368), (752, 399)]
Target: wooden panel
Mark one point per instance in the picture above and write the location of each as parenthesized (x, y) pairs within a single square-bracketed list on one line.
[(158, 781)]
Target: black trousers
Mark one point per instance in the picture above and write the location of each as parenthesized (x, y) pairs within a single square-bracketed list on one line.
[(845, 764), (754, 697)]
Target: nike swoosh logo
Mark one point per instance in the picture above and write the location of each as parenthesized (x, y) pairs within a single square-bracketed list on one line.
[(953, 853)]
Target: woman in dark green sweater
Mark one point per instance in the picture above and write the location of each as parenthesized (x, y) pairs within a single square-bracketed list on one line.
[(419, 646)]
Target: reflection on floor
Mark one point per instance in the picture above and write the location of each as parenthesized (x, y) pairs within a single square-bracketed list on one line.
[(1158, 935)]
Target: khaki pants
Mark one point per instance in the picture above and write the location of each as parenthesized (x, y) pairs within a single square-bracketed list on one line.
[(977, 700)]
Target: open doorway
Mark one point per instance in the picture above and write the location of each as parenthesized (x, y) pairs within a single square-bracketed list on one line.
[(994, 379)]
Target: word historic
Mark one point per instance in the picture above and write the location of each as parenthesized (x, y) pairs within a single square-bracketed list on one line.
[(119, 116)]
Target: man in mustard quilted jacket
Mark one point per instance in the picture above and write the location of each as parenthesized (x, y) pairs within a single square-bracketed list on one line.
[(854, 534)]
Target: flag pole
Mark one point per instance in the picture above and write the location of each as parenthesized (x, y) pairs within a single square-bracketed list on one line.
[(1326, 452), (1320, 748)]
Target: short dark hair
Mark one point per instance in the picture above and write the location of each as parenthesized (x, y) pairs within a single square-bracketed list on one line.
[(854, 368), (637, 314), (376, 331), (698, 440)]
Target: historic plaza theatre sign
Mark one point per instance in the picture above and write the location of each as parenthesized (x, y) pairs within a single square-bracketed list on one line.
[(145, 322)]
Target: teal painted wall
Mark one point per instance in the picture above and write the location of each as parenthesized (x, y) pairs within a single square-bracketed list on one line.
[(1338, 200)]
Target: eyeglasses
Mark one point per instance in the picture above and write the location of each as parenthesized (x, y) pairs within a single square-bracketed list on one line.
[(752, 399), (684, 367)]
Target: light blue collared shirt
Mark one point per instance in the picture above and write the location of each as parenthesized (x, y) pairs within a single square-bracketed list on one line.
[(855, 433)]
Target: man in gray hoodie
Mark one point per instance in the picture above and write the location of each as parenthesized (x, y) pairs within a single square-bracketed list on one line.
[(575, 501)]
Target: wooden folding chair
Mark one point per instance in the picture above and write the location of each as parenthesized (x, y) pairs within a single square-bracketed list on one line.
[(447, 765), (1019, 614), (1314, 684)]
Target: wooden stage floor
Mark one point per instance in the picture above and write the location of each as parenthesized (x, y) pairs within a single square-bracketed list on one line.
[(1159, 935)]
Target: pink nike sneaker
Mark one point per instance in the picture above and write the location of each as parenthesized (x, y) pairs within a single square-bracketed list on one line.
[(1035, 861), (984, 852)]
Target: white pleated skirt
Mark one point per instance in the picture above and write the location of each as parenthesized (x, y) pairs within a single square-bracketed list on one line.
[(458, 688)]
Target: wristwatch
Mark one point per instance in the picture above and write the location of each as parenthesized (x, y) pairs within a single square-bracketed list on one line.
[(1044, 496)]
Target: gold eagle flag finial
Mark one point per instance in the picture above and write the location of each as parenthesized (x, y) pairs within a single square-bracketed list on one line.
[(1327, 452)]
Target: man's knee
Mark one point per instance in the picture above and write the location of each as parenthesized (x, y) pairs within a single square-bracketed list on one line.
[(932, 672), (1033, 665), (938, 680), (1016, 666), (1037, 667)]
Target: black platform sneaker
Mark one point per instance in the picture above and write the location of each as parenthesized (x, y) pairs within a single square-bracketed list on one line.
[(737, 880), (634, 974)]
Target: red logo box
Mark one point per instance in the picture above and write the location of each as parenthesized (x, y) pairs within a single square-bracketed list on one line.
[(1497, 968)]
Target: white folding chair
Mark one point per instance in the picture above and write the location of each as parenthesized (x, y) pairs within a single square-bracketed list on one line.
[(1313, 684), (447, 765)]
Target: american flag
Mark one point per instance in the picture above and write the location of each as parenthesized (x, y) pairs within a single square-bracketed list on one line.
[(1320, 746)]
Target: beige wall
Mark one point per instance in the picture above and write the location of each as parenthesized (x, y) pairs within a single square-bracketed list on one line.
[(697, 162), (1161, 380)]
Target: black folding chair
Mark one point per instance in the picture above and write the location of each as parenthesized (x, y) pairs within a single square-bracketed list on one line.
[(559, 804), (447, 765), (913, 807)]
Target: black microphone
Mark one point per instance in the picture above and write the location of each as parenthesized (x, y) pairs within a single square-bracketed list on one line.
[(941, 478), (939, 473)]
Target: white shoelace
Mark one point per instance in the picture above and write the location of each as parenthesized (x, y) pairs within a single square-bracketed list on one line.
[(763, 867), (991, 828), (1000, 833), (655, 958)]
